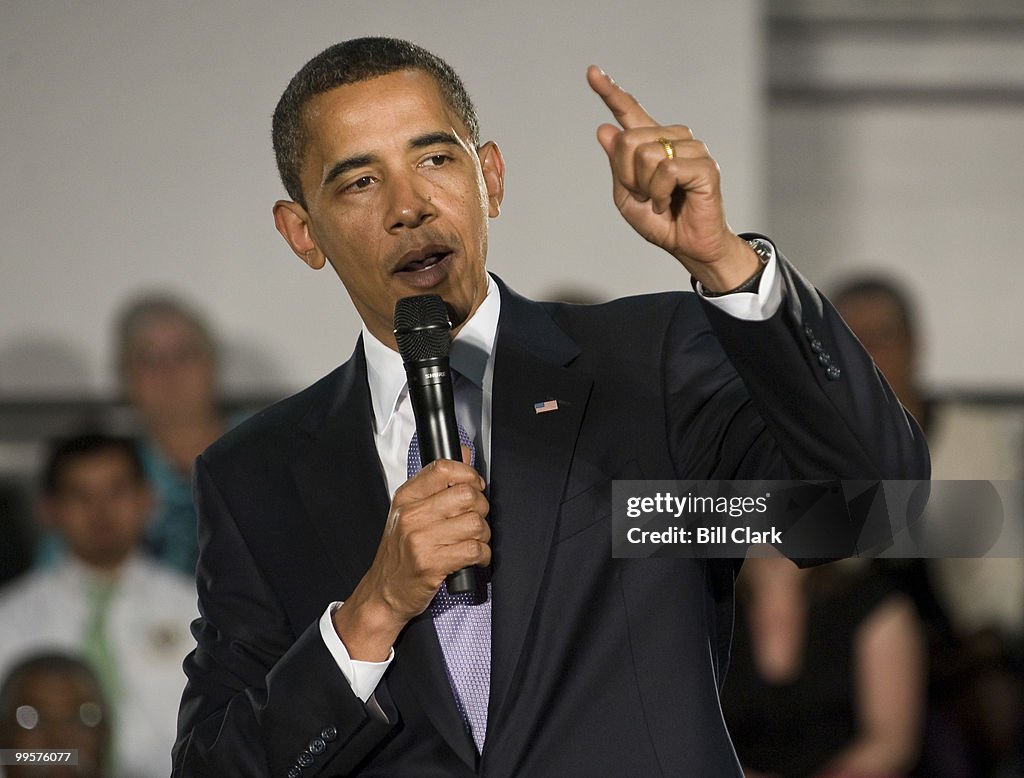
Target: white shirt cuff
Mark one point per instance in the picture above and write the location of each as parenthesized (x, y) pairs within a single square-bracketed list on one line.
[(363, 677), (753, 306)]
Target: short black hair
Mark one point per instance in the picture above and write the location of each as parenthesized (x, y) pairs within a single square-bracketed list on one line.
[(879, 286), (67, 450), (350, 62)]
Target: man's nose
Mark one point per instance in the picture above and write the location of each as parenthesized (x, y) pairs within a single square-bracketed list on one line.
[(409, 203)]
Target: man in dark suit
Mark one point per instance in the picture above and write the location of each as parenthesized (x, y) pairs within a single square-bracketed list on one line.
[(324, 645)]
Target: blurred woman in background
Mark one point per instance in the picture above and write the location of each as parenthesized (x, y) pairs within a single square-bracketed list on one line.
[(827, 676), (168, 370)]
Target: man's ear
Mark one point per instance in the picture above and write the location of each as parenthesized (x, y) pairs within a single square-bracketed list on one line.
[(493, 167), (292, 222)]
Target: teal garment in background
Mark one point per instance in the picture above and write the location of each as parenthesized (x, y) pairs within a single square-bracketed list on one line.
[(171, 532), (49, 550)]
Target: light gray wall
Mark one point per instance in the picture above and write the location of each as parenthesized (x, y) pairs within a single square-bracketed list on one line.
[(895, 146), (932, 196), (135, 154)]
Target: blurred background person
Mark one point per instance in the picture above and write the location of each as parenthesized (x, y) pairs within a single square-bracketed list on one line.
[(168, 370), (54, 701), (827, 675), (973, 608), (127, 614)]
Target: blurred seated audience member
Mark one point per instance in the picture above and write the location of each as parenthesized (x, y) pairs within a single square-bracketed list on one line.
[(973, 608), (126, 613), (168, 371), (53, 701), (827, 675)]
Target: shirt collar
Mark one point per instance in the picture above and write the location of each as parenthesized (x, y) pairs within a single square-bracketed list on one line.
[(78, 571), (471, 350)]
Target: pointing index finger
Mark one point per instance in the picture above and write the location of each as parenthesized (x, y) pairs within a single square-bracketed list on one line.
[(624, 107)]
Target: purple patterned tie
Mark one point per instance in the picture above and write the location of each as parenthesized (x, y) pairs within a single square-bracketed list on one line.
[(464, 631)]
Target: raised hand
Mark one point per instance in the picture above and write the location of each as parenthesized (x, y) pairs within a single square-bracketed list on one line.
[(667, 186)]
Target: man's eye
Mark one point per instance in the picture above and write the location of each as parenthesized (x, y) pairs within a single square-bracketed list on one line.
[(437, 160), (361, 183)]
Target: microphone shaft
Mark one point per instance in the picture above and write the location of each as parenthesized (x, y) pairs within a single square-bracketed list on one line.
[(433, 406)]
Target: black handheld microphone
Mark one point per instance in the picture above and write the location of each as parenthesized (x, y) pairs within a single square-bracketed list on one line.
[(424, 336)]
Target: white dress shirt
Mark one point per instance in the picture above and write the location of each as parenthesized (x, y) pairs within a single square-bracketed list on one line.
[(394, 425)]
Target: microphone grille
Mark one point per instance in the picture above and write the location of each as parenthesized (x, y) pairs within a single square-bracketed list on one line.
[(422, 328)]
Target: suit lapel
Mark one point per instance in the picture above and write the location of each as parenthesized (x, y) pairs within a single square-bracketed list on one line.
[(531, 454), (339, 476), (345, 495)]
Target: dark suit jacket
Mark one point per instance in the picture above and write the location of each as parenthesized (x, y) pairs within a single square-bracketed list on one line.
[(600, 666)]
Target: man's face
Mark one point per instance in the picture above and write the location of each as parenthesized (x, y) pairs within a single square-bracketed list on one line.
[(100, 507), (876, 322), (169, 373), (397, 198)]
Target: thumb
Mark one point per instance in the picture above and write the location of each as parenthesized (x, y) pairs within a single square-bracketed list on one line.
[(606, 135), (467, 455)]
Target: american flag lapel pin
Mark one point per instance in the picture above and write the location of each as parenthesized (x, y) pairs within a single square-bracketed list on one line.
[(544, 407)]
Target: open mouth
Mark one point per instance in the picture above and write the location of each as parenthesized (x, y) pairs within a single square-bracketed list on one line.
[(426, 267), (422, 264)]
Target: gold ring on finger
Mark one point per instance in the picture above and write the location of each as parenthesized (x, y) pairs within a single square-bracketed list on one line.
[(670, 150)]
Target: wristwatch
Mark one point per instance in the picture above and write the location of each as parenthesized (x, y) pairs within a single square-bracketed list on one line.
[(763, 249)]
